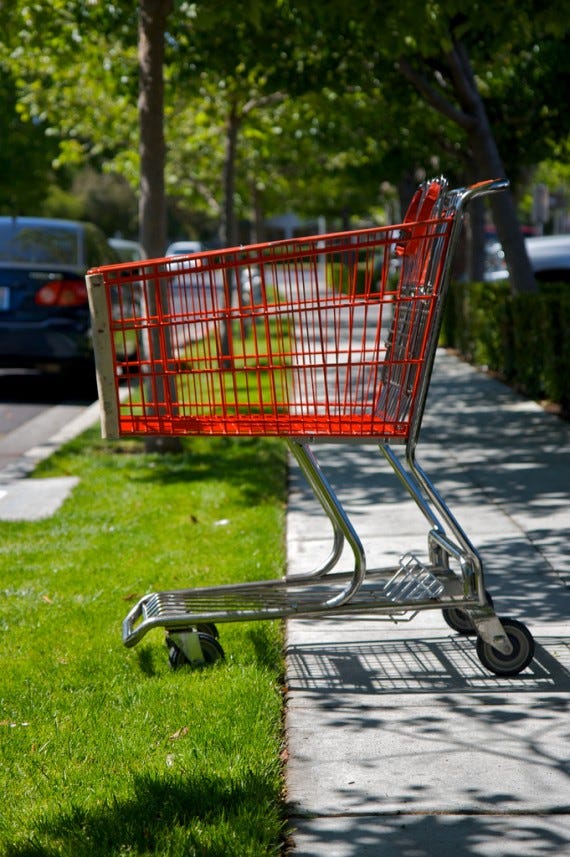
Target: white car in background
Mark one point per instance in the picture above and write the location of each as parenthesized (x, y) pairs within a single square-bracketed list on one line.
[(128, 251), (183, 248), (549, 256), (250, 280), (184, 279)]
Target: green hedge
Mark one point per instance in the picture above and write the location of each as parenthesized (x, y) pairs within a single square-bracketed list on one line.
[(524, 338)]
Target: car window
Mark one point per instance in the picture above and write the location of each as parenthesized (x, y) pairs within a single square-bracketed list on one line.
[(35, 243)]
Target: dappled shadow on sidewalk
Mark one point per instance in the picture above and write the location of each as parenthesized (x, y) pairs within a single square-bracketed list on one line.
[(434, 834), (394, 741), (475, 431), (436, 665), (514, 450), (501, 463), (404, 744)]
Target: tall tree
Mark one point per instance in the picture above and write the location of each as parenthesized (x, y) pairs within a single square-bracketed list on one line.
[(444, 50), (76, 69), (470, 114), (153, 17), (455, 56)]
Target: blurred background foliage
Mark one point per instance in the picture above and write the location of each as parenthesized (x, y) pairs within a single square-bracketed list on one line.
[(327, 123)]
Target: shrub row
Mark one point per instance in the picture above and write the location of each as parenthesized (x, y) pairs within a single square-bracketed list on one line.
[(524, 338)]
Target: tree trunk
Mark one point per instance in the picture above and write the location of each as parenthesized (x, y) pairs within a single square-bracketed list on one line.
[(153, 15), (502, 207), (228, 225), (258, 233), (468, 111), (228, 230), (490, 166)]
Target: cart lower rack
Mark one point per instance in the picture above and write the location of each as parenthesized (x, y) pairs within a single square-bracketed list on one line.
[(329, 337)]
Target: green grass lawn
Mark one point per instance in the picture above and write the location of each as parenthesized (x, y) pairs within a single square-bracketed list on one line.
[(106, 750)]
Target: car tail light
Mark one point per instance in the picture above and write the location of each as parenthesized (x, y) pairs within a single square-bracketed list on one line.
[(62, 293)]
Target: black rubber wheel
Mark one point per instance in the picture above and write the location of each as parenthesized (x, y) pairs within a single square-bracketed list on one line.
[(522, 654), (208, 628), (176, 657), (211, 650), (460, 621)]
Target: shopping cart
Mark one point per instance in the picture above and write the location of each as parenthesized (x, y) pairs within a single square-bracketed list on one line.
[(333, 340)]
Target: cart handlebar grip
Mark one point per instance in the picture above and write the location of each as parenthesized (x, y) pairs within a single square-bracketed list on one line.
[(485, 187)]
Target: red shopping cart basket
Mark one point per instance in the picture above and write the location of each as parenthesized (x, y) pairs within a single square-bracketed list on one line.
[(291, 338)]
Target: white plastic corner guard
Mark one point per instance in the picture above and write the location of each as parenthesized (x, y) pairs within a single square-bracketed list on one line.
[(102, 347)]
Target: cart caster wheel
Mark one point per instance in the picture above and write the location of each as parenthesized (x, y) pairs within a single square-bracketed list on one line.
[(522, 654), (211, 652), (176, 657), (208, 628), (459, 620)]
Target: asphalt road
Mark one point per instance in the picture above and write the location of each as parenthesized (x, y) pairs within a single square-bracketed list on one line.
[(33, 408)]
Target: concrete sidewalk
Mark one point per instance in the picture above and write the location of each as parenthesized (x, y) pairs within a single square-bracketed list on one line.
[(400, 742), (23, 448)]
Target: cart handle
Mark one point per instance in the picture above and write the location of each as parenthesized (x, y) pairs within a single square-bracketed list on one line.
[(483, 188)]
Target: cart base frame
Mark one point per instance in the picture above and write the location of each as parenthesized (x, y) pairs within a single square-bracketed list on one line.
[(396, 593)]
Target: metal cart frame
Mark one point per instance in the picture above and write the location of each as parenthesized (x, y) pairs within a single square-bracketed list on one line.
[(145, 321)]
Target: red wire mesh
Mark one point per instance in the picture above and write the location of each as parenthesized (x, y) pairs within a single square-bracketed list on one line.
[(325, 336)]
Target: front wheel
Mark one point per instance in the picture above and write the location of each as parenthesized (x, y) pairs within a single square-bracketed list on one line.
[(210, 647), (522, 654), (208, 628)]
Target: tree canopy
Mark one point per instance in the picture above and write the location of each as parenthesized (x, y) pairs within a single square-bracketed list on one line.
[(280, 105)]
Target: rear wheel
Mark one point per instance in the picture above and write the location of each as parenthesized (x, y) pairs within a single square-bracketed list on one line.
[(460, 621), (522, 654)]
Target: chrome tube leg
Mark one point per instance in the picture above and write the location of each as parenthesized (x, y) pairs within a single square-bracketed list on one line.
[(422, 490), (471, 557), (306, 466), (341, 524)]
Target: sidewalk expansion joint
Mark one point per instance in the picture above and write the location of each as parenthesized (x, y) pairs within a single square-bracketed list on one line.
[(397, 813)]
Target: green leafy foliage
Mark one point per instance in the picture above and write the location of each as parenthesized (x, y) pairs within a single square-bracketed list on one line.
[(25, 155), (521, 337), (325, 116)]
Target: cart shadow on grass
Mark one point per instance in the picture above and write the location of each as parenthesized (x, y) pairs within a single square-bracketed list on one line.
[(237, 461)]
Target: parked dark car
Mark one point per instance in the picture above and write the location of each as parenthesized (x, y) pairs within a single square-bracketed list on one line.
[(44, 314)]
